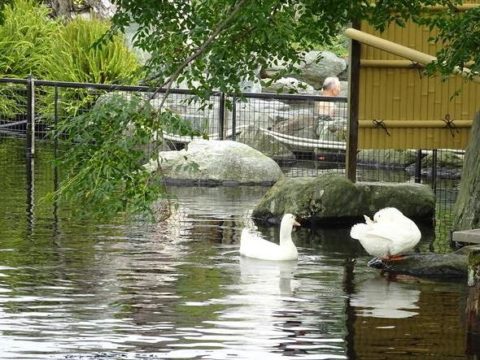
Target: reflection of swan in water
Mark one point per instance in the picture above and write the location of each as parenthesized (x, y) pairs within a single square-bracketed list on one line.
[(267, 277), (381, 298)]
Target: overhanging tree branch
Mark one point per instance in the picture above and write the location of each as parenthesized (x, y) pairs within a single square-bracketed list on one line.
[(198, 52)]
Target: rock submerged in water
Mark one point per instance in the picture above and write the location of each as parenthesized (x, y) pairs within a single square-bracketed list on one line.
[(217, 162), (333, 199), (428, 265)]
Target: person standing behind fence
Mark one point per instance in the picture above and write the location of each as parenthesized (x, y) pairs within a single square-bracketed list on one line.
[(326, 111), (331, 87)]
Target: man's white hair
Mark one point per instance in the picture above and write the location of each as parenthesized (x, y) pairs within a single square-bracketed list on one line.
[(331, 82)]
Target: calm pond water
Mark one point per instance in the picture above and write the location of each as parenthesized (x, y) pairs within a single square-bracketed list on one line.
[(72, 289)]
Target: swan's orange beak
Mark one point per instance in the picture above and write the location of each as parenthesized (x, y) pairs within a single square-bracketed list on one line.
[(296, 223)]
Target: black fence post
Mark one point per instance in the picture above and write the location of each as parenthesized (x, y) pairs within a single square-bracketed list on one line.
[(30, 154), (434, 170), (418, 167), (55, 166), (30, 117), (221, 117), (353, 113), (234, 118)]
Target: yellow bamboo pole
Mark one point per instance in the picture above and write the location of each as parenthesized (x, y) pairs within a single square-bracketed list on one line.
[(463, 7), (400, 50), (376, 63)]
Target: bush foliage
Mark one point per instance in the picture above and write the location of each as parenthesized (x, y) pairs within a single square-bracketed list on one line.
[(78, 59), (103, 166), (26, 38), (32, 43)]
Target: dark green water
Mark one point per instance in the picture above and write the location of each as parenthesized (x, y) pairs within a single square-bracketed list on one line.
[(72, 289)]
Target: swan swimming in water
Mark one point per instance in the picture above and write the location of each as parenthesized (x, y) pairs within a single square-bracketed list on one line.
[(389, 235), (253, 246)]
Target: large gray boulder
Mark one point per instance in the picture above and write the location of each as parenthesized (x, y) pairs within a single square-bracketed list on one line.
[(448, 165), (319, 65), (392, 158), (332, 198), (314, 67), (217, 162), (290, 85), (301, 124), (258, 112), (265, 143)]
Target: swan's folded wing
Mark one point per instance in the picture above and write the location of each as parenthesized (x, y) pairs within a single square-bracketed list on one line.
[(358, 230), (383, 232), (364, 231), (373, 240), (398, 238)]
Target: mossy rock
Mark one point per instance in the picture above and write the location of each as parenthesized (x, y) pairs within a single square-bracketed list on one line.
[(387, 158), (447, 159), (412, 199), (333, 199), (326, 196)]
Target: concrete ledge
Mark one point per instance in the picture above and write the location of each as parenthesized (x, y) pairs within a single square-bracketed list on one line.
[(467, 236)]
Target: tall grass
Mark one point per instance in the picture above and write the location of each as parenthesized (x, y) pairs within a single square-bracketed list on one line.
[(31, 43), (26, 38), (78, 59)]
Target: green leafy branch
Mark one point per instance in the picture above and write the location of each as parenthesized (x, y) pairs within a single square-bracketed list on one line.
[(105, 152)]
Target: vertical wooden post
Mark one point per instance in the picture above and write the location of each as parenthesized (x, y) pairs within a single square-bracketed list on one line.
[(353, 102), (473, 303)]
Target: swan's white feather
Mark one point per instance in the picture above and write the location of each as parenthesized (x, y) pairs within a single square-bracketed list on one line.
[(390, 233)]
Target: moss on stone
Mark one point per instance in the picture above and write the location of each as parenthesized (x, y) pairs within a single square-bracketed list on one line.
[(332, 196)]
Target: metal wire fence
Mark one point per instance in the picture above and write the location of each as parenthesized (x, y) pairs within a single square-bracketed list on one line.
[(305, 134)]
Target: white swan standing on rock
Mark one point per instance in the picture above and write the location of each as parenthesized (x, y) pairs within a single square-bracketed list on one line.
[(390, 234), (253, 246)]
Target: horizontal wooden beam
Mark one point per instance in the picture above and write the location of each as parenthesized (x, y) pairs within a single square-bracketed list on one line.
[(415, 123)]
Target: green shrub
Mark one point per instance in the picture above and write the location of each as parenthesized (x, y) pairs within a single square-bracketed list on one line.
[(26, 38), (31, 43), (78, 59), (105, 152)]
